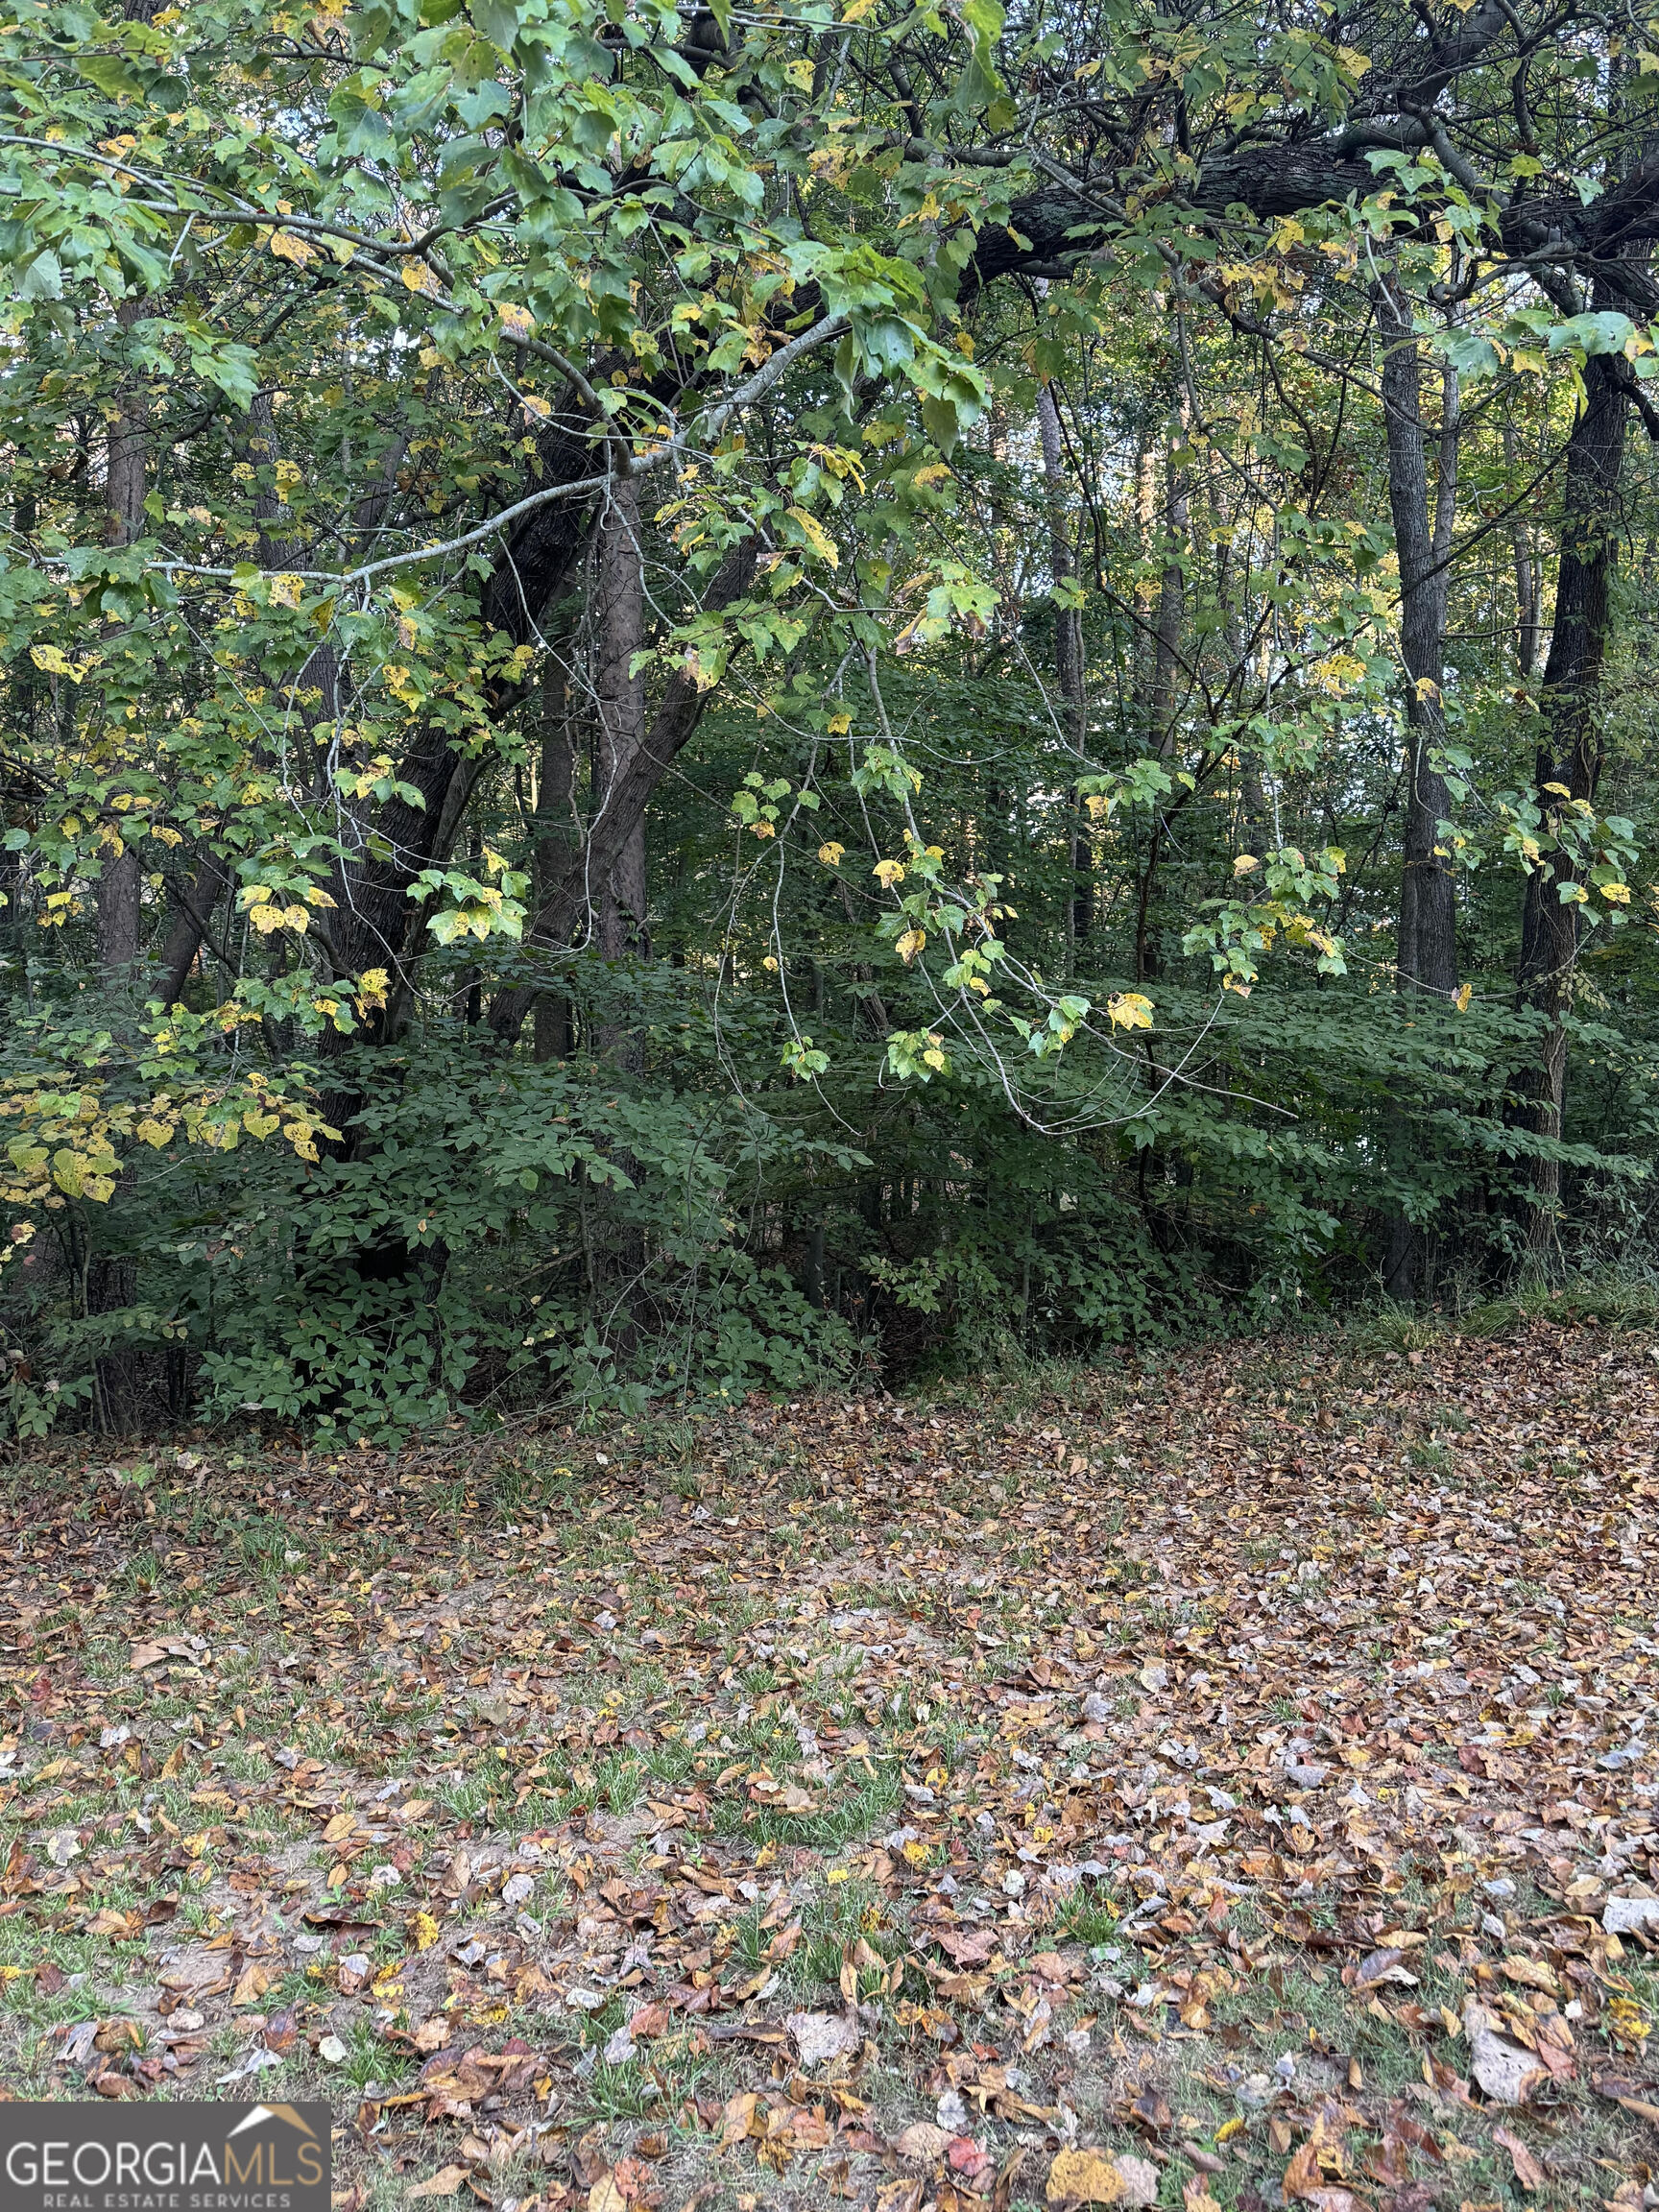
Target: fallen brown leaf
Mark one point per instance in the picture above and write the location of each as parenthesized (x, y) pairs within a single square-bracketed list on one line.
[(448, 2182), (1527, 2170)]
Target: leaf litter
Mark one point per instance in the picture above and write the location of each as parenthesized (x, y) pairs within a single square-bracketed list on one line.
[(1225, 1785)]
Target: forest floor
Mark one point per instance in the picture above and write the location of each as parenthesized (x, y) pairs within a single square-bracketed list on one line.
[(1224, 1782)]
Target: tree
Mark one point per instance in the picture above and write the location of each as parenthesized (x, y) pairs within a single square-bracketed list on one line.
[(509, 503)]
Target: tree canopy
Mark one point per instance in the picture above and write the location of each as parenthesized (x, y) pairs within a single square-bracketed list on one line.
[(698, 694)]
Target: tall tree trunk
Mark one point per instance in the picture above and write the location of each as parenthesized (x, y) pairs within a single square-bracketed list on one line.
[(1425, 956), (1160, 698), (1171, 594), (620, 811), (1426, 952), (118, 886), (618, 632), (1526, 607), (1569, 754), (1145, 522), (1068, 665), (554, 833), (195, 902)]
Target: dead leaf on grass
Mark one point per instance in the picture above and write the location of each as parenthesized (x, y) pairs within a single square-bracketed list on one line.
[(1140, 2179), (819, 2037), (1302, 2177), (923, 2140), (1505, 2072), (1383, 1966), (1527, 2170), (448, 2182)]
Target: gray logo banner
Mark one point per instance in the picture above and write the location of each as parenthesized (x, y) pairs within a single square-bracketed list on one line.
[(132, 2157)]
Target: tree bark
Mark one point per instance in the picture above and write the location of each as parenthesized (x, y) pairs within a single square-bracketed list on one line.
[(1158, 701), (1426, 958), (1068, 674), (1171, 594), (618, 632), (622, 808), (555, 834), (129, 453), (1526, 607), (1570, 754), (1426, 952), (191, 924), (375, 919)]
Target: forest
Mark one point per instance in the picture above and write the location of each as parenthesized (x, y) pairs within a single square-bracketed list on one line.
[(700, 700)]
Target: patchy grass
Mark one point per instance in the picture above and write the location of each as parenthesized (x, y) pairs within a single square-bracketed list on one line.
[(1162, 1761)]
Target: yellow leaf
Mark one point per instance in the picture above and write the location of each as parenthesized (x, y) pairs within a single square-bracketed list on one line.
[(1619, 892), (68, 1172), (1084, 2176), (255, 1982), (515, 321), (1245, 863), (423, 1932), (816, 536), (288, 248), (1460, 999), (887, 872), (417, 277), (831, 854), (1129, 1010), (910, 943)]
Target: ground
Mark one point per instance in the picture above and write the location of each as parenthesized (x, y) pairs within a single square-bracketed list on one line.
[(1217, 1780)]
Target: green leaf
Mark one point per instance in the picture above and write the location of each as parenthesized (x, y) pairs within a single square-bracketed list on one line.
[(112, 74), (43, 279)]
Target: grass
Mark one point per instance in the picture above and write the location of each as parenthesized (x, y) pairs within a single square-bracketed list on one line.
[(406, 1653)]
